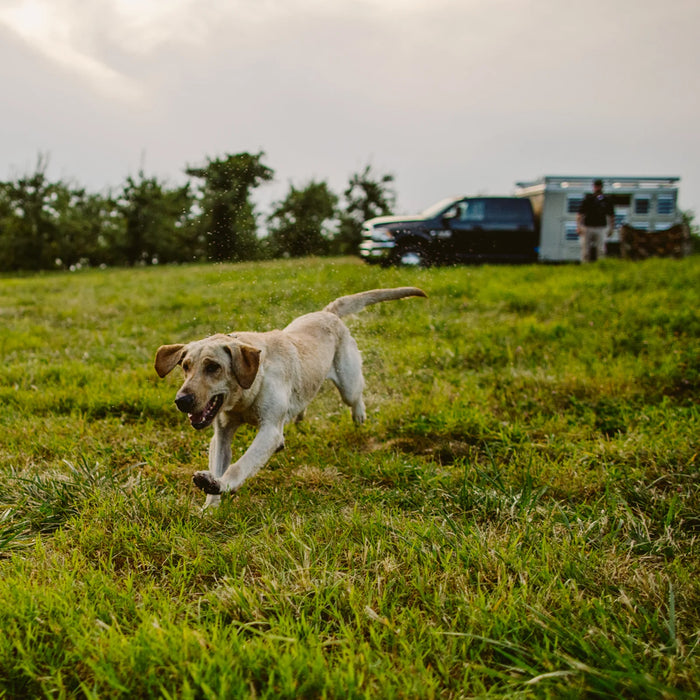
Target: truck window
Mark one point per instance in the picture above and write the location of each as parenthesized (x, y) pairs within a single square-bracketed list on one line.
[(509, 211), (471, 210)]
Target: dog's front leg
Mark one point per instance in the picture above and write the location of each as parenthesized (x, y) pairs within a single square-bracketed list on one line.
[(269, 440), (219, 458)]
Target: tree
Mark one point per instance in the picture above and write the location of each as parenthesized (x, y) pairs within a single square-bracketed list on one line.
[(29, 221), (156, 221), (44, 224), (299, 225), (228, 216), (366, 196), (88, 228), (693, 228)]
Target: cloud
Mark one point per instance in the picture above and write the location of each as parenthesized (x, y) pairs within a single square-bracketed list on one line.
[(49, 30), (142, 26)]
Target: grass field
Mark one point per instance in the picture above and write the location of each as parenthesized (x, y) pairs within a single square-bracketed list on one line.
[(519, 516)]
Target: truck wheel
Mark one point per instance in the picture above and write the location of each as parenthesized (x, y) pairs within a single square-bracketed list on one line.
[(411, 256)]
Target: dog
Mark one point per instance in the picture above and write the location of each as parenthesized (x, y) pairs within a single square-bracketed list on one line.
[(267, 380)]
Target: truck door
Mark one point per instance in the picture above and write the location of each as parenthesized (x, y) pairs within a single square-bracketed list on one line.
[(510, 229), (469, 239)]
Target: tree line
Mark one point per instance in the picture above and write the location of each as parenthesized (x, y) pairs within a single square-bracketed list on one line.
[(48, 224)]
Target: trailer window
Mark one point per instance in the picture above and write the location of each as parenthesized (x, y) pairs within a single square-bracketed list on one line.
[(642, 205), (666, 204), (620, 200), (573, 203)]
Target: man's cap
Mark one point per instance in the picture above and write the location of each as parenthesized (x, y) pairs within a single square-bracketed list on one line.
[(598, 182)]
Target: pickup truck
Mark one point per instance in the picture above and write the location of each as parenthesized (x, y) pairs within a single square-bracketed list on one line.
[(459, 229)]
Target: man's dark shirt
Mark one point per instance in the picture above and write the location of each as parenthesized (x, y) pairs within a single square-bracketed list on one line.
[(595, 209)]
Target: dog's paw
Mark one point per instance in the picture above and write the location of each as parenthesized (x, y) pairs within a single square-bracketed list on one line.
[(206, 482), (359, 415)]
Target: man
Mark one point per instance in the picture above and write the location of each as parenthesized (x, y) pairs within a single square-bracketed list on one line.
[(594, 222)]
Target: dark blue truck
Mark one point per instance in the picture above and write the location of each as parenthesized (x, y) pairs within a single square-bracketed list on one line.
[(455, 230)]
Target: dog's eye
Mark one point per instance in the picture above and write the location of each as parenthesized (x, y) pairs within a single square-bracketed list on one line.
[(211, 368)]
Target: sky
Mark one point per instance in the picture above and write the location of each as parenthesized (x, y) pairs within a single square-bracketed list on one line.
[(449, 96)]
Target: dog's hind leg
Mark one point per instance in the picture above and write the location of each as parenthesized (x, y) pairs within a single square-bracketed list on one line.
[(346, 374)]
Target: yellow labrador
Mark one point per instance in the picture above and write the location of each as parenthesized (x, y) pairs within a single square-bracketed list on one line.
[(267, 380)]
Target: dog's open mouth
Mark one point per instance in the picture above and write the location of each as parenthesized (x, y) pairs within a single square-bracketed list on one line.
[(204, 419)]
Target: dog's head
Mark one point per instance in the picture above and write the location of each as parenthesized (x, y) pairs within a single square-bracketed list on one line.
[(215, 368)]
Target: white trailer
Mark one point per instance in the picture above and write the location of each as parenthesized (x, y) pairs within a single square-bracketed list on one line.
[(646, 203)]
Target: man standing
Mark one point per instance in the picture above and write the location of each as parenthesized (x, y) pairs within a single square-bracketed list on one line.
[(594, 222)]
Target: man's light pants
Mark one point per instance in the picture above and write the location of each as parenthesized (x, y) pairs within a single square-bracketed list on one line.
[(592, 236)]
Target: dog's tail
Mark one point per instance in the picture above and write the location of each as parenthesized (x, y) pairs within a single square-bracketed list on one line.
[(353, 303)]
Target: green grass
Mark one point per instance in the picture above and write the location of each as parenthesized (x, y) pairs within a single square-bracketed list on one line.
[(519, 517)]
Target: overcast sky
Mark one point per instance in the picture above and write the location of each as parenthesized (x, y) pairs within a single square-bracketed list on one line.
[(451, 96)]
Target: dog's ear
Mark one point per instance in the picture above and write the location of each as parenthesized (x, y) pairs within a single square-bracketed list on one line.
[(245, 361), (167, 358)]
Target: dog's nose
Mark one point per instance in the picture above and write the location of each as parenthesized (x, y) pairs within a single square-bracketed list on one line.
[(185, 402)]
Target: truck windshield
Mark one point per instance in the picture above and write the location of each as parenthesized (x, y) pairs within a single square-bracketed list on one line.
[(439, 207)]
